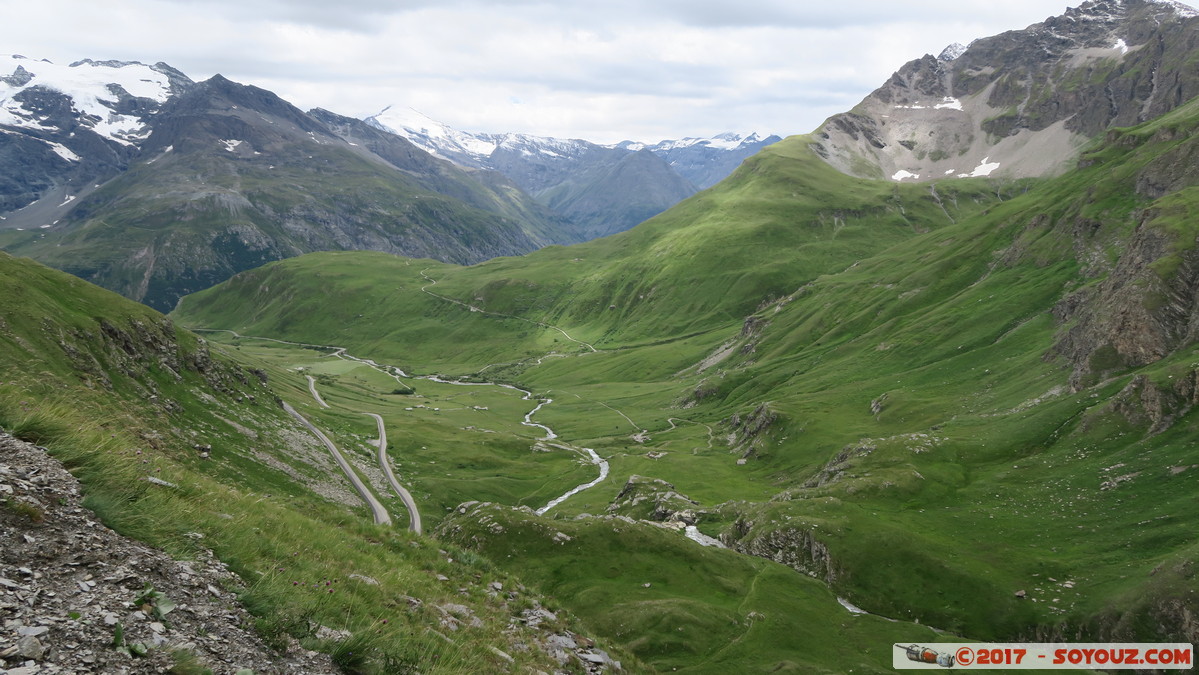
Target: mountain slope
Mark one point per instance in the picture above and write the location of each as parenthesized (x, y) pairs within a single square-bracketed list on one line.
[(182, 445), (1022, 103), (232, 177), (609, 197), (604, 189), (483, 189)]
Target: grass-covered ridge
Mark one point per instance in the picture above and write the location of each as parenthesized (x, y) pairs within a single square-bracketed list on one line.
[(780, 221), (929, 400)]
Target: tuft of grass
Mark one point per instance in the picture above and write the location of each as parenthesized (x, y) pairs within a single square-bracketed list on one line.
[(186, 662), (24, 509)]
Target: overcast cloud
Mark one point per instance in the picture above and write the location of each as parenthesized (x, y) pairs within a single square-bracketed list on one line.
[(603, 71)]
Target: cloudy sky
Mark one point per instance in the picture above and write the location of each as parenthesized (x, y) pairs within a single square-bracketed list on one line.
[(604, 71)]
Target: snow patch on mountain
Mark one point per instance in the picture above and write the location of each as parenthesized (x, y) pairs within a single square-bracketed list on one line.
[(1184, 11), (94, 89), (985, 168), (432, 136), (725, 141), (952, 52), (62, 151)]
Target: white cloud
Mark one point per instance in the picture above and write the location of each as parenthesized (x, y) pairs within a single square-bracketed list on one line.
[(623, 69)]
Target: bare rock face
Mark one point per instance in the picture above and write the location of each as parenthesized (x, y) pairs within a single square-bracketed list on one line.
[(1144, 310), (797, 548), (1024, 102), (750, 433)]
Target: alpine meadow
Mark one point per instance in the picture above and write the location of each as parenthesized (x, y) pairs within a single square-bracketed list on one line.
[(927, 374)]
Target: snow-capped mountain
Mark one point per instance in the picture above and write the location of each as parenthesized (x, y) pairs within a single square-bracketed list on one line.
[(725, 141), (474, 150), (111, 98), (706, 161), (702, 161), (66, 128), (566, 172)]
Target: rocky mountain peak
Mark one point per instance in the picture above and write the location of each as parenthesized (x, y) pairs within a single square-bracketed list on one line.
[(1024, 102), (952, 52)]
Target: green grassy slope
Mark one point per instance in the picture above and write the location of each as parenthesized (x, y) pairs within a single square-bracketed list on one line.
[(780, 221), (682, 607), (119, 394), (932, 414)]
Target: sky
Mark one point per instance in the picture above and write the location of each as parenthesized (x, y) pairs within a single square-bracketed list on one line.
[(604, 71)]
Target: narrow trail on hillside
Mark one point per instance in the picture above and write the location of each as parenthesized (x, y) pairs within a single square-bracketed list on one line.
[(377, 511), (315, 394), (433, 282), (397, 373), (674, 426)]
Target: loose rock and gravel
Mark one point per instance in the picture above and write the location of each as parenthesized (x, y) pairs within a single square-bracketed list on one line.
[(76, 597)]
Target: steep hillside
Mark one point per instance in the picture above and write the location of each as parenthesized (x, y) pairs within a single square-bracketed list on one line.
[(1022, 103), (232, 177), (612, 197), (183, 448), (483, 189)]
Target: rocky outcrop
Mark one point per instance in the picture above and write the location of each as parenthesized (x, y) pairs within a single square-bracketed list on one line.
[(135, 350), (749, 433), (797, 548), (1153, 406), (1144, 310), (653, 499), (835, 469)]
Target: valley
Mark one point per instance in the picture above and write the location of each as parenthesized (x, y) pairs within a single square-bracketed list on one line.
[(856, 393), (903, 426)]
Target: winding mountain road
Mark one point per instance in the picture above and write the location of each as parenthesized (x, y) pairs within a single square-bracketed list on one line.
[(380, 514), (391, 371), (405, 496)]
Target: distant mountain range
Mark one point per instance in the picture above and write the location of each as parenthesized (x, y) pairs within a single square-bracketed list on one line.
[(143, 181), (603, 188)]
